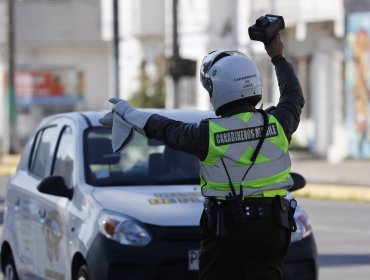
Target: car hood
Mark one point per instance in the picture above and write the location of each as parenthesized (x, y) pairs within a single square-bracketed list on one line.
[(157, 205)]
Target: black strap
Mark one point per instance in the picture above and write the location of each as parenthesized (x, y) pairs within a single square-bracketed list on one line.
[(254, 155), (260, 142), (263, 135), (233, 192)]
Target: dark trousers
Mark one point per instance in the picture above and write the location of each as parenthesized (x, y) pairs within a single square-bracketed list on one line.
[(252, 251)]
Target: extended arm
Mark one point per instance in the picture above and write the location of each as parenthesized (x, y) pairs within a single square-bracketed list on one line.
[(190, 138), (291, 102)]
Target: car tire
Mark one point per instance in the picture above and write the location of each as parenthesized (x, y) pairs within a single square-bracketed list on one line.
[(10, 272), (82, 273)]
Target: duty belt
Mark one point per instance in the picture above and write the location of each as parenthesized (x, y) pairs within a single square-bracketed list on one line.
[(220, 217), (224, 213), (254, 207)]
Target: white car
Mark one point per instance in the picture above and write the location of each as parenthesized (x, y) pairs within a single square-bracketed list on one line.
[(75, 210)]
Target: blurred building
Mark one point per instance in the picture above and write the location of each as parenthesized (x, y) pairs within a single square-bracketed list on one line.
[(62, 62), (65, 62), (314, 43)]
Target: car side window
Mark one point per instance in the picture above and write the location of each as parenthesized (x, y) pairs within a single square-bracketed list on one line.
[(65, 157), (43, 150)]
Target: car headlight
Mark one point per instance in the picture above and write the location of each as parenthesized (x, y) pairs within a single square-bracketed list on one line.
[(304, 227), (123, 229)]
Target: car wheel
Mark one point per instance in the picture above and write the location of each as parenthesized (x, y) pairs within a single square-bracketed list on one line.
[(10, 272), (82, 273)]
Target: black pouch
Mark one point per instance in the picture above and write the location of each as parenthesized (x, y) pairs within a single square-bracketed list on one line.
[(292, 207), (203, 223), (209, 212), (237, 213), (220, 222), (282, 212)]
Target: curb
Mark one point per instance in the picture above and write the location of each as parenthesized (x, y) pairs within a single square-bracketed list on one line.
[(7, 171), (335, 192), (8, 164)]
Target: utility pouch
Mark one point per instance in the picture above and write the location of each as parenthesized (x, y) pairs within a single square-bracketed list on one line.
[(292, 207), (204, 229), (282, 212), (237, 213), (220, 223), (207, 204)]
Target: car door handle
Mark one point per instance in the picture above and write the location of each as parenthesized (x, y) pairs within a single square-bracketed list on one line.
[(42, 213), (17, 201)]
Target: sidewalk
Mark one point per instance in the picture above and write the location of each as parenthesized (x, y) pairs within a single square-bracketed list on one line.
[(8, 164), (347, 180), (316, 170)]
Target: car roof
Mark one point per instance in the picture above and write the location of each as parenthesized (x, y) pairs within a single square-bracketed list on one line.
[(92, 117)]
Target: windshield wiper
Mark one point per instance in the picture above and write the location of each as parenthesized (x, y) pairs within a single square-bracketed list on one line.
[(118, 184), (179, 181), (152, 181)]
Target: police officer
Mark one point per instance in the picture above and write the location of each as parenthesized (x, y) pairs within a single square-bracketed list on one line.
[(244, 159)]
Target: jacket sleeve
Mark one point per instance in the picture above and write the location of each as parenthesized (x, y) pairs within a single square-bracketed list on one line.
[(186, 137), (291, 102)]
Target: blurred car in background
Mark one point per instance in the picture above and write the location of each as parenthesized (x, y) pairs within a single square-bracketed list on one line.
[(75, 210)]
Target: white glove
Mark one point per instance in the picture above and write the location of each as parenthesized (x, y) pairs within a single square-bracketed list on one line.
[(107, 120), (124, 119), (120, 109), (120, 106), (136, 118), (122, 132)]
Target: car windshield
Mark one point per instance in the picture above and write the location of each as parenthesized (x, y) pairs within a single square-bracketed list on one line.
[(143, 162)]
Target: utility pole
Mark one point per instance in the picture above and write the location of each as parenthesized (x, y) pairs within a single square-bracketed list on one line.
[(12, 143), (177, 66), (116, 41), (175, 54)]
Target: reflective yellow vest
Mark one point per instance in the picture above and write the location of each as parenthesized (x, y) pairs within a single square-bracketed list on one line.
[(234, 140)]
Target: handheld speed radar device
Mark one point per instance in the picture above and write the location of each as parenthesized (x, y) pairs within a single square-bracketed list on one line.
[(265, 28)]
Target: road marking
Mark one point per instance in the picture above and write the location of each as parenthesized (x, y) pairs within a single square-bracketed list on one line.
[(322, 191)]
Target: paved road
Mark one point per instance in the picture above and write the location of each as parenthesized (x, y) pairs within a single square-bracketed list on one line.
[(342, 231)]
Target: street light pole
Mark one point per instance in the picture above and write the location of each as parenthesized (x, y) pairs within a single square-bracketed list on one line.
[(175, 53), (116, 41), (177, 66), (12, 110)]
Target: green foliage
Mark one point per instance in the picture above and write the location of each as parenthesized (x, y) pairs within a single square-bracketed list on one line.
[(152, 89), (295, 145)]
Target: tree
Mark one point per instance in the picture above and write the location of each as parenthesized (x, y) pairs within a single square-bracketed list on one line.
[(151, 93)]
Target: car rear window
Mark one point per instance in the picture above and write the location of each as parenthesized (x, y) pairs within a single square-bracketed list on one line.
[(144, 162), (42, 150)]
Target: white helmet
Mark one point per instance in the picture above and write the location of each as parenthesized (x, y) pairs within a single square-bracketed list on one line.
[(230, 76)]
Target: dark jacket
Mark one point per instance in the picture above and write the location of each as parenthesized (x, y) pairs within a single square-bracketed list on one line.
[(193, 138)]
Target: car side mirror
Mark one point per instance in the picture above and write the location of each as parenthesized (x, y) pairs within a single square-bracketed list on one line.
[(55, 185), (299, 181)]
